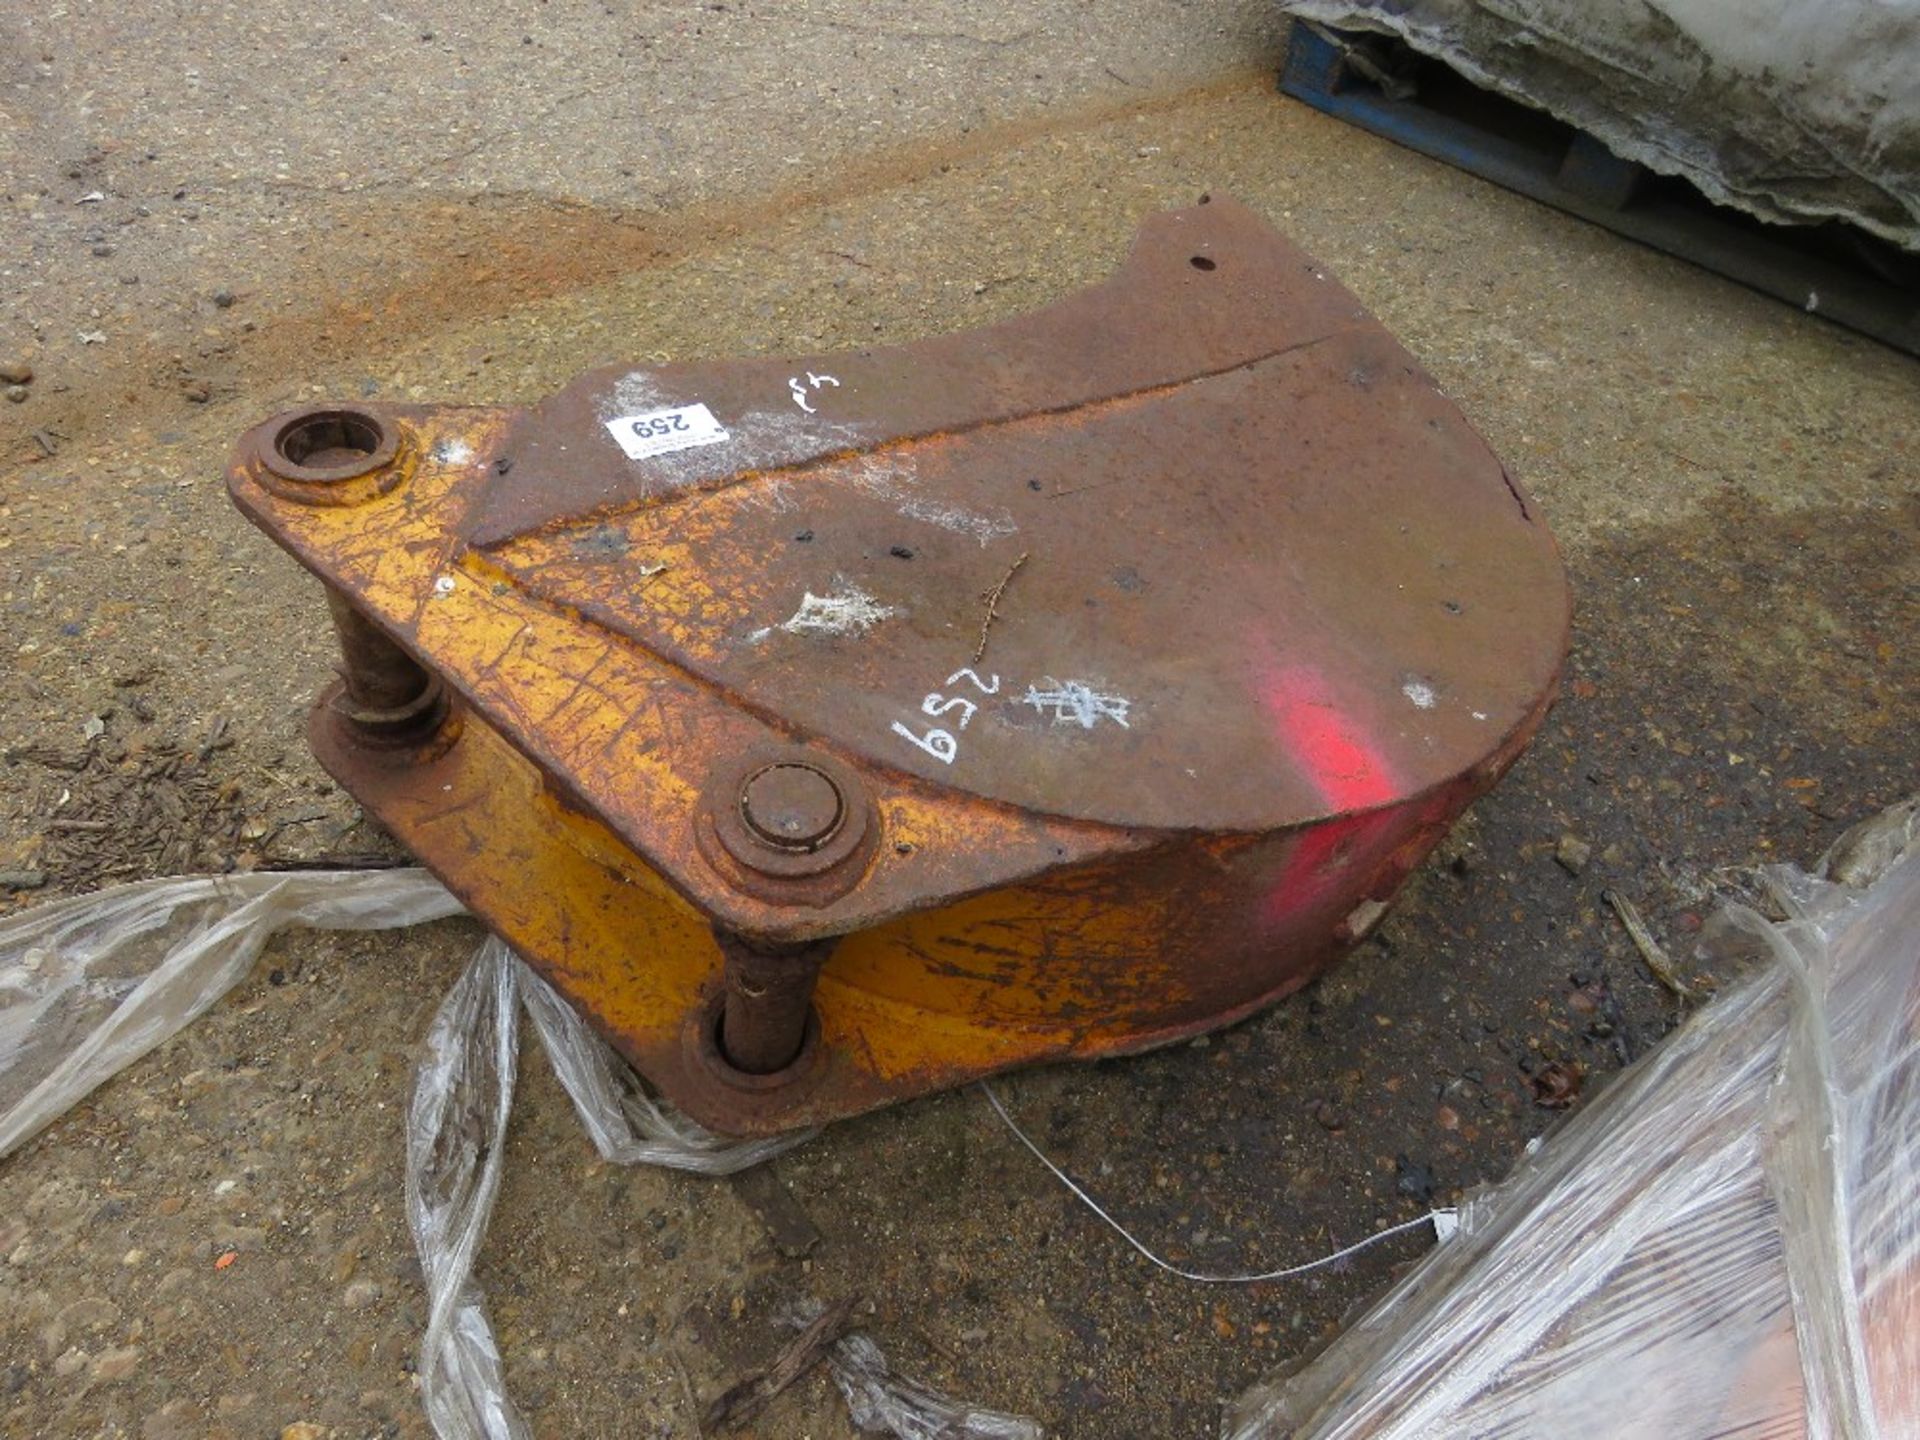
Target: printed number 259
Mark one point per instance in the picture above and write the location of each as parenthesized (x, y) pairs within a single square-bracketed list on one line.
[(659, 425), (943, 745)]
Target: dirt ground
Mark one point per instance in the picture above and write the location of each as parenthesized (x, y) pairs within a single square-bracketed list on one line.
[(1733, 483)]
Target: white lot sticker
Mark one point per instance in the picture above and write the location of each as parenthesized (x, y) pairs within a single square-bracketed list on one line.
[(660, 432)]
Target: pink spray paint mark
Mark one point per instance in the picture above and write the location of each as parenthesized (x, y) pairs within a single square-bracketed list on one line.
[(1332, 751), (1342, 762)]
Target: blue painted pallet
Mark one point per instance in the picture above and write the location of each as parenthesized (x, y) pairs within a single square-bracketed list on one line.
[(1834, 270)]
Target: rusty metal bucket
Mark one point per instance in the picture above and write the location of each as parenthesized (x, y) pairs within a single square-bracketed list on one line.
[(833, 730)]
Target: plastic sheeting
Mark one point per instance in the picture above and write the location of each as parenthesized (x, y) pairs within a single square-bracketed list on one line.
[(1725, 1243), (89, 985), (1793, 110), (456, 1133), (456, 1146), (883, 1403)]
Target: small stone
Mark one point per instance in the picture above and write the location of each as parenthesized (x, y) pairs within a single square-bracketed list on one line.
[(171, 1205), (1557, 1084), (238, 1237), (172, 1281), (17, 393), (197, 391), (175, 1420), (378, 1405), (71, 1363), (1459, 854), (133, 1256), (1572, 854), (102, 250), (91, 1313), (22, 879), (304, 1430), (361, 1294), (223, 299), (1447, 1118), (1327, 1117), (1414, 1179), (116, 1364), (16, 372)]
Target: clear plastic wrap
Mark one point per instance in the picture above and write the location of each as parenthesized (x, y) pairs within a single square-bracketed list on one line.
[(456, 1146), (627, 1125), (883, 1403), (1726, 1242), (456, 1140), (880, 1402), (89, 985)]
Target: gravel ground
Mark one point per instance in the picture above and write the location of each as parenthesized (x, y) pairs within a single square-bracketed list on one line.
[(478, 213)]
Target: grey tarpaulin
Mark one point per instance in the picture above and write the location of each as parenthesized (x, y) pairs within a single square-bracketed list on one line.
[(1792, 110)]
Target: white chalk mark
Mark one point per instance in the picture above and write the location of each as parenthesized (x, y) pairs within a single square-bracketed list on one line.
[(634, 391), (984, 528), (1419, 692), (849, 610), (988, 686), (938, 743), (1079, 703), (813, 382)]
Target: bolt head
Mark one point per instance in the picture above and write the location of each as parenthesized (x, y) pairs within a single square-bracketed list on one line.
[(792, 807)]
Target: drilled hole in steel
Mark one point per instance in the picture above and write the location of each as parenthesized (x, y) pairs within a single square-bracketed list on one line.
[(330, 440), (1201, 262)]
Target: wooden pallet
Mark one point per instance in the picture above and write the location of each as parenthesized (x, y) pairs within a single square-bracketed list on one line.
[(1831, 269)]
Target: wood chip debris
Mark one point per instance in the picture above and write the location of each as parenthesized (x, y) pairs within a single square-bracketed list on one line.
[(746, 1398), (1656, 958)]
